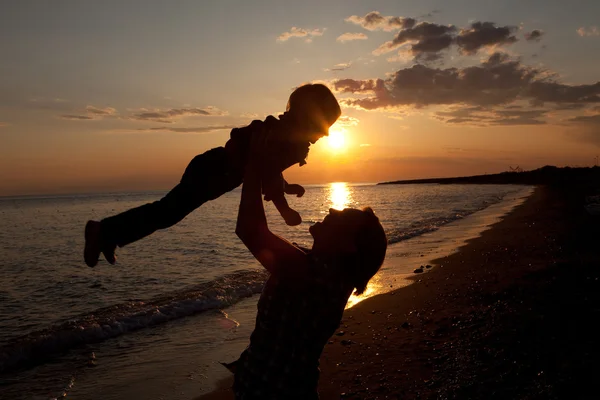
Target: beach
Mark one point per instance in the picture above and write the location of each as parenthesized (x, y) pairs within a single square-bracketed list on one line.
[(510, 315)]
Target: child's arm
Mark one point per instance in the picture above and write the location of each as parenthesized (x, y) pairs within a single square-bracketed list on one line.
[(288, 188), (293, 188), (269, 249)]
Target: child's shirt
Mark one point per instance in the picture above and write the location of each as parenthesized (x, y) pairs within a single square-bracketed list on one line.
[(288, 152)]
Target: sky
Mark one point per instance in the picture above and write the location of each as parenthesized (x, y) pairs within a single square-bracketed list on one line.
[(120, 95)]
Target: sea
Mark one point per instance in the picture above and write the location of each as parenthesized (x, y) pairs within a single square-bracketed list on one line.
[(158, 324)]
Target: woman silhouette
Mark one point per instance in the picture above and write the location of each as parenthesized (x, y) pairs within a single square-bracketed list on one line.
[(304, 298)]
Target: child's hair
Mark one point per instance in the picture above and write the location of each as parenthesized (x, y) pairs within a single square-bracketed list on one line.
[(371, 244), (316, 102)]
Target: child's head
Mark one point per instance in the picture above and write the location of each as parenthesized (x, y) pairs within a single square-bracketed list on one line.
[(356, 238), (315, 108)]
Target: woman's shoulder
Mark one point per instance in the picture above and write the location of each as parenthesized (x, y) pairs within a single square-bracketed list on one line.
[(306, 250)]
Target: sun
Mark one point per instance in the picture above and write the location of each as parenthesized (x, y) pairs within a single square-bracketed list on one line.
[(336, 141)]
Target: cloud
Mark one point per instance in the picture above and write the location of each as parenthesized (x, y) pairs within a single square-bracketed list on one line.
[(52, 104), (76, 117), (588, 126), (569, 106), (591, 31), (534, 36), (375, 21), (346, 120), (168, 116), (491, 93), (404, 57), (482, 116), (349, 37), (484, 34), (200, 129), (554, 92), (496, 81), (162, 116), (47, 100), (453, 150), (100, 111), (591, 118), (3, 124), (430, 14), (358, 86), (91, 113), (339, 67), (426, 40), (300, 32), (587, 120)]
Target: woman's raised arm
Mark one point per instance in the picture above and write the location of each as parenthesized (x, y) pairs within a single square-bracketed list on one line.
[(272, 251)]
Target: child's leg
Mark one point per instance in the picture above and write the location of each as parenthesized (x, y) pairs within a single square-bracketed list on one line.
[(139, 222), (291, 216), (207, 177)]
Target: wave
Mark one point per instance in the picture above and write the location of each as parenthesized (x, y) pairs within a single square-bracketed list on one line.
[(424, 226), (109, 322), (420, 228)]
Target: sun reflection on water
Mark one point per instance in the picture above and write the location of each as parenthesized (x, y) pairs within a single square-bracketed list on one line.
[(339, 195)]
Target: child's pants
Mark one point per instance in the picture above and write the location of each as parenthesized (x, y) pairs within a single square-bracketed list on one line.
[(207, 177)]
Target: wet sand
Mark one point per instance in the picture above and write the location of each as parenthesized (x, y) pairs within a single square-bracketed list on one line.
[(510, 316)]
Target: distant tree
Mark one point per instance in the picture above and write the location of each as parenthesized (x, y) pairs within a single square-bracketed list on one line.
[(515, 169)]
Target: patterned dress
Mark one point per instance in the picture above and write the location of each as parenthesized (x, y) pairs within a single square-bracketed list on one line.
[(298, 311)]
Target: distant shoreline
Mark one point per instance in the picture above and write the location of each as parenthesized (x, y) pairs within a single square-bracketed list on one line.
[(541, 176), (547, 175)]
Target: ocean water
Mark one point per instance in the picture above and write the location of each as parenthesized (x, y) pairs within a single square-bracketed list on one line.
[(65, 328)]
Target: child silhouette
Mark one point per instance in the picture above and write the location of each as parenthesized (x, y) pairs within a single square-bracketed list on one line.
[(310, 111)]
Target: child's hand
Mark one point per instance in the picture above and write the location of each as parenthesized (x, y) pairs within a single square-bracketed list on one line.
[(293, 188)]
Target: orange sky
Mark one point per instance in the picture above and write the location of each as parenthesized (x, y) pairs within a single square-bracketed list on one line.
[(115, 99)]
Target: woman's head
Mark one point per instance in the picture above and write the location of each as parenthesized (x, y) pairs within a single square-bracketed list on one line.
[(356, 239), (315, 108)]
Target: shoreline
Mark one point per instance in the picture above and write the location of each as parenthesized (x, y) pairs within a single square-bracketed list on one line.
[(508, 316), (547, 175), (354, 317), (404, 257)]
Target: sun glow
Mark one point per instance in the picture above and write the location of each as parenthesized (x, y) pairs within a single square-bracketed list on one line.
[(336, 141), (374, 287), (339, 195)]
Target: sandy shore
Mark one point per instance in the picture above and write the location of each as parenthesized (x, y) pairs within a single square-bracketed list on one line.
[(510, 316)]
